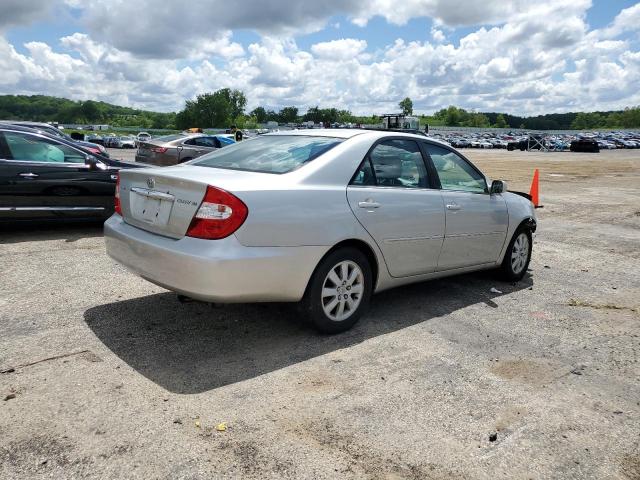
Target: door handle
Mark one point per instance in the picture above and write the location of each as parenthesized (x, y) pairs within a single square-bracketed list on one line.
[(368, 204), (29, 175), (453, 206)]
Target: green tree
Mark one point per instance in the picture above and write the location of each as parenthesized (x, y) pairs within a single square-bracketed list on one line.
[(237, 101), (217, 109), (501, 122), (288, 115), (90, 111), (406, 106), (260, 114), (452, 116), (478, 120), (313, 115)]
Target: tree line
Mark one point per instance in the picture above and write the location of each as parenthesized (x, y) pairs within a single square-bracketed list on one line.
[(226, 107), (43, 108)]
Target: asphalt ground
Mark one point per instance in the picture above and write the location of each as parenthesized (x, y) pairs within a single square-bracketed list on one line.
[(104, 375)]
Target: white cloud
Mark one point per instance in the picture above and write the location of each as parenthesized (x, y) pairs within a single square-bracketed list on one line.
[(437, 35), (627, 20), (343, 49)]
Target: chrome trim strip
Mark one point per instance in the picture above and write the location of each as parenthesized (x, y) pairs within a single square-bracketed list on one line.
[(153, 194), (414, 239), (50, 209), (458, 235)]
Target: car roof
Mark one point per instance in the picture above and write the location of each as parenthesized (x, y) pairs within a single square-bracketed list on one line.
[(322, 132), (352, 132), (7, 125), (27, 123)]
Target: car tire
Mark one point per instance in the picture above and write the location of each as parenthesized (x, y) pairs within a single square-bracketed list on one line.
[(182, 160), (339, 291), (518, 255)]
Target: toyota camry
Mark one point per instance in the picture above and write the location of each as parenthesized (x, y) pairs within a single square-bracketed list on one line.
[(325, 218)]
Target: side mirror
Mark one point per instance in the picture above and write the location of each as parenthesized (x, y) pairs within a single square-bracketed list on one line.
[(498, 186), (93, 163)]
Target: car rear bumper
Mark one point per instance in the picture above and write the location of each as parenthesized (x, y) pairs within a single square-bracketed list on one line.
[(222, 271)]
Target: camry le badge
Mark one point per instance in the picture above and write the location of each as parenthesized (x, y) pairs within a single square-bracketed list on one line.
[(151, 182)]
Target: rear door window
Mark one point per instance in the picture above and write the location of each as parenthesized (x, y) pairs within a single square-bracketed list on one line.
[(31, 148), (393, 163)]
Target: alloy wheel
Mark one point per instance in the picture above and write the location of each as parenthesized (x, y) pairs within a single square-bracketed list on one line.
[(520, 253), (342, 290)]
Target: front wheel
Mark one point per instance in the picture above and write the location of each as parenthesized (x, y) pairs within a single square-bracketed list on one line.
[(339, 291), (518, 255)]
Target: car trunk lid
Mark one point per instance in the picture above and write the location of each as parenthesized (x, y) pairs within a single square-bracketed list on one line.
[(165, 200)]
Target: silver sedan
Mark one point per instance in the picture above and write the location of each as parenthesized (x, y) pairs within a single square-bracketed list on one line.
[(324, 217)]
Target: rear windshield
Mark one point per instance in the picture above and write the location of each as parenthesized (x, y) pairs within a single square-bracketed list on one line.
[(269, 154)]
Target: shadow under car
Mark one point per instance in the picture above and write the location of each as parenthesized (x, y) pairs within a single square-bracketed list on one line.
[(192, 347)]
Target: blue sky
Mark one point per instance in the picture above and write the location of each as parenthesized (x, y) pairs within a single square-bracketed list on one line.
[(522, 57)]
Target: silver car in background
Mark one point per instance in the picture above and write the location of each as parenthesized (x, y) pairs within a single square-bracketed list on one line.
[(128, 141), (178, 148), (321, 217)]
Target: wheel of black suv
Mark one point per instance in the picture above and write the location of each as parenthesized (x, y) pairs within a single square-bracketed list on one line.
[(339, 291), (518, 255)]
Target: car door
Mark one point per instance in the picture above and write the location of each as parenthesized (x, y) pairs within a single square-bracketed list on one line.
[(392, 196), (41, 178), (476, 222)]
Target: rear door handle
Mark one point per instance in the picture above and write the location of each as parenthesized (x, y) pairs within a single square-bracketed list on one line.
[(368, 204), (29, 175), (453, 206)]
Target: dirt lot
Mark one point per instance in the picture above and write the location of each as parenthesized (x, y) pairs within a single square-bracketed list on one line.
[(104, 375)]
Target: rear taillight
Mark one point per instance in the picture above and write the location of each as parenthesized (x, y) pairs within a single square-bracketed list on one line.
[(116, 198), (219, 215), (159, 149)]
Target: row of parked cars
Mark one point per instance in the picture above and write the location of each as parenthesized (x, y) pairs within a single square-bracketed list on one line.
[(114, 141), (559, 142)]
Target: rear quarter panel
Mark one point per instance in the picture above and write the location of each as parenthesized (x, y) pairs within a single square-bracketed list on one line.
[(297, 217)]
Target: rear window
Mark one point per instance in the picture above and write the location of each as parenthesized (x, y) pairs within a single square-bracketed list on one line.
[(269, 154)]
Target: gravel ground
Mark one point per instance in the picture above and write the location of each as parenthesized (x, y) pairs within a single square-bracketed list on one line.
[(103, 375)]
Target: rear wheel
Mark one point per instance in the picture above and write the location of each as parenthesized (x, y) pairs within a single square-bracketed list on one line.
[(182, 160), (339, 291), (518, 255)]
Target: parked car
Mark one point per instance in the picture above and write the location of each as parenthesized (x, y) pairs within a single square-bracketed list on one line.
[(588, 145), (125, 142), (143, 137), (179, 148), (109, 140), (95, 138), (321, 217), (48, 177), (56, 132)]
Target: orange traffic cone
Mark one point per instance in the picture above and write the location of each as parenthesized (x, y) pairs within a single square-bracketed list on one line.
[(534, 192)]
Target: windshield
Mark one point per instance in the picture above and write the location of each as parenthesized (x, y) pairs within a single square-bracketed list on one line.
[(269, 154)]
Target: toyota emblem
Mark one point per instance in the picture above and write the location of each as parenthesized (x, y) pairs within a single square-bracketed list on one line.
[(151, 182)]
